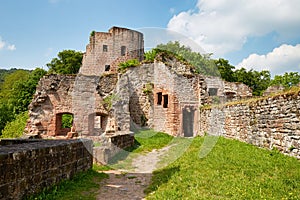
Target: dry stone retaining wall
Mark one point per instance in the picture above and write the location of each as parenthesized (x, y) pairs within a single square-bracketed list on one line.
[(272, 122), (28, 166)]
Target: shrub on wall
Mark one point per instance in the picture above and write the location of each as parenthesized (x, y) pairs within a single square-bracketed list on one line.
[(123, 66)]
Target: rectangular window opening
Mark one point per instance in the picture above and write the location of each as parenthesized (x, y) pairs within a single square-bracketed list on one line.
[(107, 68), (213, 91), (123, 50), (166, 101), (159, 98), (105, 48)]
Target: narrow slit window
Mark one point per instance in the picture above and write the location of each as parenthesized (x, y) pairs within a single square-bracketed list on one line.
[(166, 101), (123, 50), (107, 68), (159, 98), (105, 48)]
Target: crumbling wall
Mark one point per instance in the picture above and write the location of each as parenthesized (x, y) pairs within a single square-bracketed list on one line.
[(28, 167), (104, 52), (138, 90), (222, 91), (272, 122), (81, 96)]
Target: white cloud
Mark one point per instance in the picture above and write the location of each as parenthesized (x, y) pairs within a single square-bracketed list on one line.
[(11, 47), (2, 43), (285, 58), (223, 26), (5, 45)]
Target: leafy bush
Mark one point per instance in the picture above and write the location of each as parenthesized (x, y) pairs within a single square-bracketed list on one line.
[(123, 66), (15, 128), (108, 101)]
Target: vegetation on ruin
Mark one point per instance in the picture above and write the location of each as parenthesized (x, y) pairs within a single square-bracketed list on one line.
[(92, 33), (123, 66), (84, 185), (292, 91), (232, 170), (148, 88), (109, 100), (258, 81)]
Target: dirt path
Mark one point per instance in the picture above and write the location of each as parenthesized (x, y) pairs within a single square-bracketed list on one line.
[(123, 185)]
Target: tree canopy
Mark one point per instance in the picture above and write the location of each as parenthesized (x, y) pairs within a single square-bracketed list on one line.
[(68, 62), (16, 93)]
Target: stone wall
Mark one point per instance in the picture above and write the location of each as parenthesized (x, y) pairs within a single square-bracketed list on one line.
[(271, 122), (104, 50), (110, 146), (80, 96), (27, 167), (138, 105)]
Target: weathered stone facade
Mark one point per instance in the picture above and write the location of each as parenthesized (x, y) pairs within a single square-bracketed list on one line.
[(272, 122), (106, 50), (164, 95), (29, 166)]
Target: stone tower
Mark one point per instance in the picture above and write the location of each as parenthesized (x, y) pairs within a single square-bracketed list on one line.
[(107, 49)]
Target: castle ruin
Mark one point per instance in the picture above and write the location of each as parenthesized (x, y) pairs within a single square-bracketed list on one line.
[(164, 95)]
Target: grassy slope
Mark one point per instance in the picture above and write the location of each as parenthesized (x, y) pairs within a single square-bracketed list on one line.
[(232, 170), (83, 186)]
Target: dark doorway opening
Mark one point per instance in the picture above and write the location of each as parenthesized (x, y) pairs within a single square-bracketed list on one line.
[(188, 114)]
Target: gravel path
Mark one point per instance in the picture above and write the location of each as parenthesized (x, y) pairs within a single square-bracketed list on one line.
[(131, 185)]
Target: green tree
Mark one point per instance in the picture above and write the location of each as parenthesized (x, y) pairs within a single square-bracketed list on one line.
[(6, 115), (225, 69), (23, 91), (287, 80), (15, 128), (16, 93), (257, 81), (68, 62)]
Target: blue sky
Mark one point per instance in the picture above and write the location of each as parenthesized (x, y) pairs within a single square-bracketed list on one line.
[(253, 34)]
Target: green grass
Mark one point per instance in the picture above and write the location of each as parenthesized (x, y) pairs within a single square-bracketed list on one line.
[(145, 141), (232, 170), (83, 186)]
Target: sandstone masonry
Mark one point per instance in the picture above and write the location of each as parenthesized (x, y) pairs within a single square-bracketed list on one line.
[(29, 166), (272, 122)]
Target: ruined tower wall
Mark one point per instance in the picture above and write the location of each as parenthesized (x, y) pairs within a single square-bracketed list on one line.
[(106, 50)]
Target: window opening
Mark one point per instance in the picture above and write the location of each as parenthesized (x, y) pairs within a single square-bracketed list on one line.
[(107, 68), (213, 91), (166, 101), (105, 48), (123, 50), (159, 98)]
